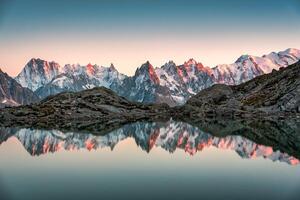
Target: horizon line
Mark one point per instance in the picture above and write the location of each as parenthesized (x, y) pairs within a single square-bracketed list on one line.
[(156, 67)]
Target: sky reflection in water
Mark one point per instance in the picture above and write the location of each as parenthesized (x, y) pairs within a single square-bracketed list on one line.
[(170, 160)]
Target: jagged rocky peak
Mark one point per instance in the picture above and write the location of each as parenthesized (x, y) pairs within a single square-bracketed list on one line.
[(77, 78), (70, 68), (148, 71), (144, 68), (91, 69), (2, 72), (190, 62), (192, 66), (112, 67), (39, 64), (170, 67)]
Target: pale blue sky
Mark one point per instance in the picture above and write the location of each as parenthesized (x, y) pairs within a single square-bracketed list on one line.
[(128, 32)]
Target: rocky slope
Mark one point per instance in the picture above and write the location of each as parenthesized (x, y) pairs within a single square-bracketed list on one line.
[(269, 94), (172, 84), (94, 109), (12, 93)]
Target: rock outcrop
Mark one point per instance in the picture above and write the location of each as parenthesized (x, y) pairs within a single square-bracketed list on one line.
[(94, 109)]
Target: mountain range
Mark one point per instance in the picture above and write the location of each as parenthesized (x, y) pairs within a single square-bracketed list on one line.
[(169, 136), (265, 109), (172, 84)]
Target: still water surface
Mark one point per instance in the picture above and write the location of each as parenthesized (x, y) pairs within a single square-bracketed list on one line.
[(171, 160)]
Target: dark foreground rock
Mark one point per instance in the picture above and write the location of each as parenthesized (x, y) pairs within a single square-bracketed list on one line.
[(95, 109)]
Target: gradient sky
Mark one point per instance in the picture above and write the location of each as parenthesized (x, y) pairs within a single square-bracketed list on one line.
[(129, 32)]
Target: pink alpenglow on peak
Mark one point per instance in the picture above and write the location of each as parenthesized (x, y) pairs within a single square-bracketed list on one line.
[(190, 62), (152, 74), (90, 69)]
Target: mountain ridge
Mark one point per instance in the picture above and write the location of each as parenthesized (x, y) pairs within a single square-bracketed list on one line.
[(172, 84), (274, 95)]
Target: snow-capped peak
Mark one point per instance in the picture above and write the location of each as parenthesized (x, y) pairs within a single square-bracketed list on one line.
[(247, 67), (77, 78), (144, 68), (242, 58), (291, 51), (148, 72), (37, 73)]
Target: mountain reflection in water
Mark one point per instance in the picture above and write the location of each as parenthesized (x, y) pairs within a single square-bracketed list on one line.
[(169, 136)]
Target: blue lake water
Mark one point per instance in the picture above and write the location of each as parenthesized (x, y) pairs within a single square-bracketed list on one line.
[(169, 160)]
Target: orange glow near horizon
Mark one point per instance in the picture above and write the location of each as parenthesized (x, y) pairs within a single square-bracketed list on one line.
[(129, 54)]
